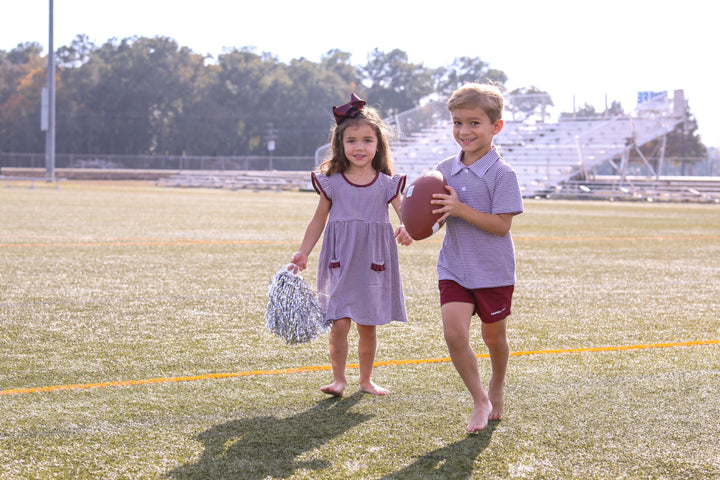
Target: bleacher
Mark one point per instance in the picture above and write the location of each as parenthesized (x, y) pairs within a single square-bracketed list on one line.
[(239, 180), (553, 159), (631, 188), (544, 154)]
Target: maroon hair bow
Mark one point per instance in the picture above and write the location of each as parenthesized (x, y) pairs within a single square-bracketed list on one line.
[(349, 110)]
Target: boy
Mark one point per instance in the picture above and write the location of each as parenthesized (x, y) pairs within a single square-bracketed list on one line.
[(476, 266)]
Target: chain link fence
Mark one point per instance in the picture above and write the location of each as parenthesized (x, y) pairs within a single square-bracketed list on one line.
[(159, 162)]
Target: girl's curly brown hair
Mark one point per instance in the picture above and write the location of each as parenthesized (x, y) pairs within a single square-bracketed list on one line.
[(336, 162)]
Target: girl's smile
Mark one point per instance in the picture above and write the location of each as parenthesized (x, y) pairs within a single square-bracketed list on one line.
[(360, 144)]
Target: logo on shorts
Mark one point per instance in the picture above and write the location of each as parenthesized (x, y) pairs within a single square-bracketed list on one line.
[(498, 312)]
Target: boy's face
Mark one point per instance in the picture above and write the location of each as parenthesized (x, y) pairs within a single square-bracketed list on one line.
[(474, 132)]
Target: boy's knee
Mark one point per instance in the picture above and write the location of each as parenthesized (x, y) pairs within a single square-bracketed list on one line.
[(495, 334), (456, 337), (494, 341)]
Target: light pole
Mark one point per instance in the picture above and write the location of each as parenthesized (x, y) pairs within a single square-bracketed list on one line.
[(271, 149), (50, 134), (271, 137)]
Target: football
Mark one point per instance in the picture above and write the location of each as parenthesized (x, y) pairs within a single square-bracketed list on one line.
[(416, 209)]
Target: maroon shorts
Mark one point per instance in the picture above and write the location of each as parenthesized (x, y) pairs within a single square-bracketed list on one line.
[(491, 304)]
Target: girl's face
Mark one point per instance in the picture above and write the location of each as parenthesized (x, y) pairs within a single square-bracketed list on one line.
[(360, 144)]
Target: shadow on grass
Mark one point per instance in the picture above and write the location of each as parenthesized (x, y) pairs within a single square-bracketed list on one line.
[(262, 447), (456, 461)]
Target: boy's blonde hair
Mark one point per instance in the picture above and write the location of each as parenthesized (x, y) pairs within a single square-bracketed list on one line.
[(336, 161), (479, 95)]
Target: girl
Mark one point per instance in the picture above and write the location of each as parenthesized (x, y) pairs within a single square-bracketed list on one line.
[(358, 273)]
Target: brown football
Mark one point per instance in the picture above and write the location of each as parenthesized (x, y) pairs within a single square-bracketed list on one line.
[(416, 209)]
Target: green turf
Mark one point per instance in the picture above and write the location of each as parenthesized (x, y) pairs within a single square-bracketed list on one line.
[(106, 283)]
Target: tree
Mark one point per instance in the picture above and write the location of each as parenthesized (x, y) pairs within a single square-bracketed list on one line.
[(528, 102), (122, 96), (150, 96), (684, 147), (466, 70), (616, 109), (77, 120), (143, 95), (77, 54), (395, 85), (22, 77), (244, 86), (138, 89), (304, 119), (338, 62)]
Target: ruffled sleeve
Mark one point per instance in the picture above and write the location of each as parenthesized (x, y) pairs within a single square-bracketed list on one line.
[(321, 184), (396, 186)]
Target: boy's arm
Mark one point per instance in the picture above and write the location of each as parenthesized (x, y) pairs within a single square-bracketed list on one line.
[(497, 224)]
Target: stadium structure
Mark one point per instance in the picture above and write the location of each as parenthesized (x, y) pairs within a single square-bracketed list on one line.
[(567, 158)]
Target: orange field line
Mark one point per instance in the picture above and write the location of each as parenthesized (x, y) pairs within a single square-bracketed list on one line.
[(318, 368), (645, 237)]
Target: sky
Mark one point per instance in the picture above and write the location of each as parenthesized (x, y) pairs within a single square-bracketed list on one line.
[(580, 52)]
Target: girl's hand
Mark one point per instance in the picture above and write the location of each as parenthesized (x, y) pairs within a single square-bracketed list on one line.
[(450, 202), (300, 261), (402, 237)]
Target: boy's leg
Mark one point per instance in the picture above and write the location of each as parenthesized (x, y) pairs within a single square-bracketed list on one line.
[(367, 345), (338, 340), (495, 337), (456, 327)]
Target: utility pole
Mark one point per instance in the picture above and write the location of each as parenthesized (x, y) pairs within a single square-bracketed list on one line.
[(271, 137), (50, 134)]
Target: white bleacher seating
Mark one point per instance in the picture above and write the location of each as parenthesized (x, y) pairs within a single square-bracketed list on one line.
[(543, 154)]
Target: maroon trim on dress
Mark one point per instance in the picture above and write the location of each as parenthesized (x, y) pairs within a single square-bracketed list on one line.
[(317, 187), (334, 265), (401, 187), (377, 175), (377, 267)]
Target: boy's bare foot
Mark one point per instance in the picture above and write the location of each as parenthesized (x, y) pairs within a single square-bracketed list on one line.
[(374, 389), (336, 389), (497, 398), (479, 419)]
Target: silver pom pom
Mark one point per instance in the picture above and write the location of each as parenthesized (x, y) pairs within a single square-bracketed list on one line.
[(293, 312)]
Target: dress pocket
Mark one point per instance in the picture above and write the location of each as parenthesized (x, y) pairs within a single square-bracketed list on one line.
[(377, 274), (334, 267)]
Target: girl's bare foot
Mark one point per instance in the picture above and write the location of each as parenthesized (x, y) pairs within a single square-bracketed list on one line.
[(374, 389), (336, 389), (479, 419)]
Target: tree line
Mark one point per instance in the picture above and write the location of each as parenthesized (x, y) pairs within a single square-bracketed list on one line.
[(151, 96), (144, 95)]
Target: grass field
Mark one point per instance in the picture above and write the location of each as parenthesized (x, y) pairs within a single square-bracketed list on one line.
[(133, 345)]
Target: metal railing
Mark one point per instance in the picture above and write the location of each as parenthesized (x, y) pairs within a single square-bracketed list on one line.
[(159, 162)]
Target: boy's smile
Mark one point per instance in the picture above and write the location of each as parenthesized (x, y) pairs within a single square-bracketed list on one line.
[(474, 132)]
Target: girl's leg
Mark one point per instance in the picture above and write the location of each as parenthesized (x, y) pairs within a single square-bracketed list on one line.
[(367, 345), (456, 327), (495, 337), (338, 340)]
